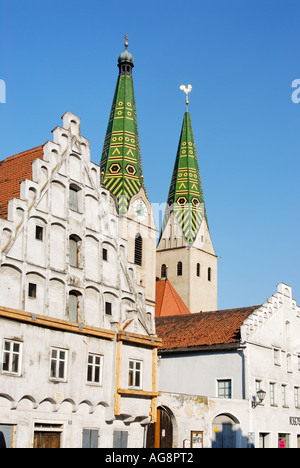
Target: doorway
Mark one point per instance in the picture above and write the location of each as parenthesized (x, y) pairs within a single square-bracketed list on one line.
[(47, 440), (160, 434), (224, 431)]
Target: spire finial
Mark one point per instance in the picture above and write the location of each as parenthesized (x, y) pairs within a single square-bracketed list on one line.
[(126, 41), (186, 90)]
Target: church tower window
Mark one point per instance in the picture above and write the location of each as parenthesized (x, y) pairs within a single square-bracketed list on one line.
[(163, 271), (138, 250), (179, 269), (209, 274), (198, 269)]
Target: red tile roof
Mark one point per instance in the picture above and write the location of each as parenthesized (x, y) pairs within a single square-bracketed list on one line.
[(202, 329), (13, 171), (168, 301)]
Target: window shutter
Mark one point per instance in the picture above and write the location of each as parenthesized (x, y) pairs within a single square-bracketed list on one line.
[(138, 250), (90, 438), (120, 439)]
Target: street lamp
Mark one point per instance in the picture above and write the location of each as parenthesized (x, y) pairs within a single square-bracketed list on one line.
[(261, 395)]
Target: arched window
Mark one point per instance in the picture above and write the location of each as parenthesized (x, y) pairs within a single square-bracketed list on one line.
[(74, 306), (163, 271), (179, 269), (198, 269), (74, 251), (209, 274), (138, 250)]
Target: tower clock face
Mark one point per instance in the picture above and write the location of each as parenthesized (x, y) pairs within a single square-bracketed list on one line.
[(140, 210)]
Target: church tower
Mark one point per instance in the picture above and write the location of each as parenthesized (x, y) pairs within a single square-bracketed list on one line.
[(185, 253), (121, 174)]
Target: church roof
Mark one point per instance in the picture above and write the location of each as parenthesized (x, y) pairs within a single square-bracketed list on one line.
[(202, 329), (121, 166), (186, 195), (168, 301), (13, 171)]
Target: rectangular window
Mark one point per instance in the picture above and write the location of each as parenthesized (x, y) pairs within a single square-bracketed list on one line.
[(58, 364), (264, 440), (32, 290), (284, 441), (73, 198), (108, 309), (39, 233), (104, 254), (224, 389), (277, 357), (73, 306), (12, 357), (284, 395), (258, 385), (297, 397), (135, 374), (94, 369), (272, 394)]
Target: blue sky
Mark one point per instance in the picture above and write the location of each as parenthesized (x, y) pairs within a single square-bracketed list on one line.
[(241, 57)]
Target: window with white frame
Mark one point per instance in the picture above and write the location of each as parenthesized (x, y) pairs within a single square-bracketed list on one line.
[(284, 396), (258, 385), (58, 364), (94, 368), (272, 394), (224, 389), (135, 374), (11, 360)]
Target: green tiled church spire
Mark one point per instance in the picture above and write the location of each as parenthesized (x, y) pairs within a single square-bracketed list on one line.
[(186, 198), (121, 168)]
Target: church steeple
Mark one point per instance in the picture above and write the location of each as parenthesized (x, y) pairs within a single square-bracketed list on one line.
[(185, 249), (121, 174), (186, 198), (121, 168)]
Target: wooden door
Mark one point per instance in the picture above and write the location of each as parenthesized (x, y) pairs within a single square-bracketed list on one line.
[(160, 434), (47, 440)]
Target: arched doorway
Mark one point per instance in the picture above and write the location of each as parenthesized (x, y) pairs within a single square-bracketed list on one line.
[(226, 431), (160, 434)]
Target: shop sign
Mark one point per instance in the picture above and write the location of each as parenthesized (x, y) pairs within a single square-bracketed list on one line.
[(294, 421)]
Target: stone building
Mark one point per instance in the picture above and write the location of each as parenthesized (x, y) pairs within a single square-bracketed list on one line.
[(239, 382), (77, 336)]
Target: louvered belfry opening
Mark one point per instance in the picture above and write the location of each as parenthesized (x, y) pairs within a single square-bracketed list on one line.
[(138, 250)]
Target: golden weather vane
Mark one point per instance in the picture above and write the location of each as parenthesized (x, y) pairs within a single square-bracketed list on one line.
[(186, 89)]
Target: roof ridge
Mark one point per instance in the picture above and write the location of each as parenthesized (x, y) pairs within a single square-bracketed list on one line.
[(32, 150)]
